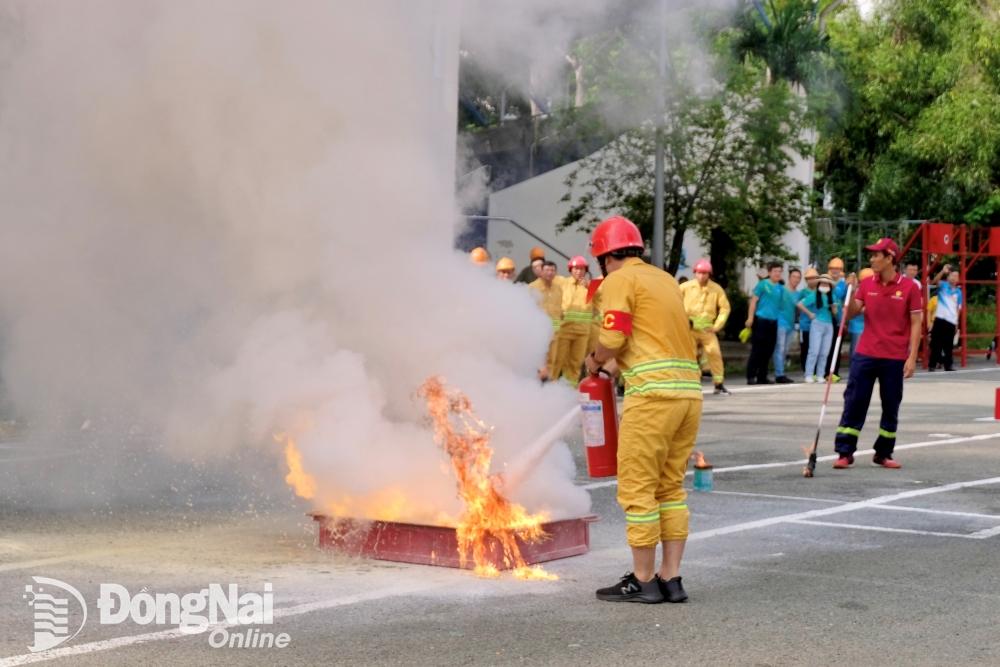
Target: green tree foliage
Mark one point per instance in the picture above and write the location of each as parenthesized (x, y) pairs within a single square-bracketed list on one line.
[(729, 134), (726, 157), (919, 136)]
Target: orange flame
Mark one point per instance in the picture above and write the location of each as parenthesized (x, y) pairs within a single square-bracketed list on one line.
[(700, 461), (301, 482), (488, 514)]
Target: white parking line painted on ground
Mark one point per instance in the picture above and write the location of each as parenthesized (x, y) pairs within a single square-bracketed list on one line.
[(41, 562), (923, 510), (846, 507), (880, 529), (829, 457), (772, 495), (401, 588), (987, 532)]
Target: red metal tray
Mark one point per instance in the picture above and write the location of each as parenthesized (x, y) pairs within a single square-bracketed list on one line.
[(438, 545)]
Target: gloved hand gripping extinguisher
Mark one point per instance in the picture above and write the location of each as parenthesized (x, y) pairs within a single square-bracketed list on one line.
[(599, 416)]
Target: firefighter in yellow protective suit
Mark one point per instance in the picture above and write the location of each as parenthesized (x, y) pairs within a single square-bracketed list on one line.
[(645, 329), (550, 298), (707, 309), (577, 318)]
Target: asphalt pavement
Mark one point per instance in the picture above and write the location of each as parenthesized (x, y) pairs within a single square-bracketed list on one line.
[(864, 566)]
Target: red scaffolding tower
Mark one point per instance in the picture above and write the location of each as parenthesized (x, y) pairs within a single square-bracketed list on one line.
[(971, 246)]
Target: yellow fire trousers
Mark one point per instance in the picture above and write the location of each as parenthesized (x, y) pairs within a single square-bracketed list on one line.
[(708, 346), (654, 443), (573, 340)]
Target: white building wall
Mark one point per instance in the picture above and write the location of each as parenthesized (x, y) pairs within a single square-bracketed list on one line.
[(535, 204)]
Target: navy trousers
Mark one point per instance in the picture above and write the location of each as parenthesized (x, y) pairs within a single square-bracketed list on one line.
[(858, 395)]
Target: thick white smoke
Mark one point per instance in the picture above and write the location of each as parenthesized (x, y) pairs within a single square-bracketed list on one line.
[(225, 220)]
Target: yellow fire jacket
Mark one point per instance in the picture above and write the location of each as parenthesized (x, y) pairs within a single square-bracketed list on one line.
[(550, 298), (577, 313), (643, 320), (705, 306)]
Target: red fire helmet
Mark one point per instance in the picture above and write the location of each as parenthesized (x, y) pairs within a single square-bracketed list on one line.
[(613, 234), (703, 266), (578, 262)]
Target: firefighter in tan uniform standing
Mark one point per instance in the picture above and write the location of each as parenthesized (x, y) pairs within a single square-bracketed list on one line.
[(550, 298), (708, 309), (645, 329), (577, 318)]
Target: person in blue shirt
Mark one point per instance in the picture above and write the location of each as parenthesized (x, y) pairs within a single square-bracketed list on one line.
[(836, 270), (811, 277), (949, 305), (786, 325), (856, 325), (819, 306), (762, 320)]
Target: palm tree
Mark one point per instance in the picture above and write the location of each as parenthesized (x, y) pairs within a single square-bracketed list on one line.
[(788, 36)]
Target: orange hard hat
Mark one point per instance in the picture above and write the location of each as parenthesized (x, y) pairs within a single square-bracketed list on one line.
[(479, 256), (836, 263), (505, 264), (615, 233), (577, 262), (537, 253), (703, 266)]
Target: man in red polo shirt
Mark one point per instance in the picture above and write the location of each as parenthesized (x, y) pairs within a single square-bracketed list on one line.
[(893, 312)]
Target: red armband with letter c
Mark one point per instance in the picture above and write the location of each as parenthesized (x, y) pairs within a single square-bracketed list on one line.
[(617, 320)]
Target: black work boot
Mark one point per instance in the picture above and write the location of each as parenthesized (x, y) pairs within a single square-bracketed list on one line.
[(721, 390), (672, 590), (630, 589)]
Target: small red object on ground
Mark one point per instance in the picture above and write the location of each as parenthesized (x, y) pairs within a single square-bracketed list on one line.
[(438, 545), (996, 406)]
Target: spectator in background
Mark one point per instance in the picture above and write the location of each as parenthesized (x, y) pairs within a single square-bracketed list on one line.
[(949, 304), (786, 325), (910, 271), (836, 270), (812, 277), (533, 271), (505, 269), (762, 320), (856, 325), (818, 305)]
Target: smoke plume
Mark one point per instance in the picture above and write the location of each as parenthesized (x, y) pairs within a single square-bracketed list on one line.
[(227, 220)]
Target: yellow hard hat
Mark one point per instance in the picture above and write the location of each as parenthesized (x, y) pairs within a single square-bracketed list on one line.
[(505, 264), (811, 272), (537, 253), (745, 334), (479, 256), (836, 263)]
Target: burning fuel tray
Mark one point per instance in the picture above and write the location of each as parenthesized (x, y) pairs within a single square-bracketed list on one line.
[(438, 545)]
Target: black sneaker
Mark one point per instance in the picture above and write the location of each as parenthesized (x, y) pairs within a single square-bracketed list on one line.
[(630, 589), (783, 379), (765, 381), (672, 590), (721, 390)]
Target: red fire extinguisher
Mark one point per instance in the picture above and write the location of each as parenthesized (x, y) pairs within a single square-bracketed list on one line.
[(599, 416)]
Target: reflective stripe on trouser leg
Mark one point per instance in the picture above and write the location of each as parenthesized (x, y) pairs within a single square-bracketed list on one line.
[(655, 441), (674, 514), (709, 343), (857, 397)]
